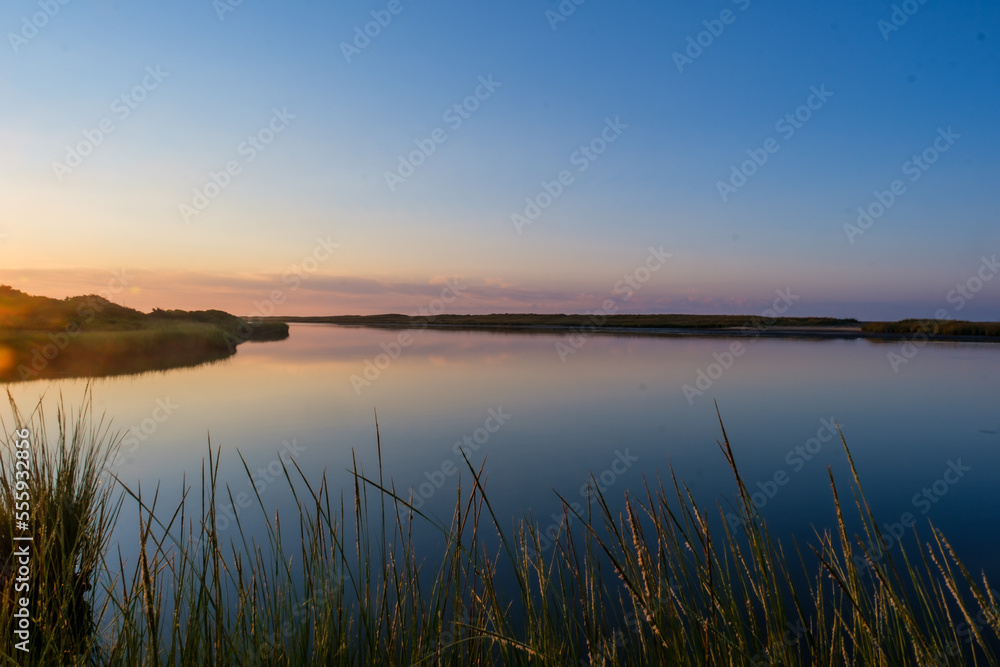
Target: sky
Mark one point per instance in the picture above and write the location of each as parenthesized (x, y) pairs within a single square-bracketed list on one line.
[(312, 158)]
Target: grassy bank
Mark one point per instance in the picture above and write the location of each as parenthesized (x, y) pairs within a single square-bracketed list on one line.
[(933, 328), (92, 337), (737, 325), (647, 580), (557, 321), (237, 329)]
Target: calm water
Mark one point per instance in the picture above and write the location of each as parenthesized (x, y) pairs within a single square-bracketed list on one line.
[(615, 408)]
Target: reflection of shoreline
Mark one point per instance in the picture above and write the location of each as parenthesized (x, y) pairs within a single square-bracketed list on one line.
[(41, 355), (799, 333)]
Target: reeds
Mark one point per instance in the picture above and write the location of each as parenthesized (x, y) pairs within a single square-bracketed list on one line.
[(652, 580), (71, 511)]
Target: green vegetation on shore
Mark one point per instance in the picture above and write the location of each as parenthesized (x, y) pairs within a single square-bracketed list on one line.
[(89, 336), (933, 328), (505, 320), (657, 582), (745, 325)]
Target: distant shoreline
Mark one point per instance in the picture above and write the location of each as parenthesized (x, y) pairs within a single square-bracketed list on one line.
[(655, 325)]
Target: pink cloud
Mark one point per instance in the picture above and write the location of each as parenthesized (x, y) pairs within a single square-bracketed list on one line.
[(319, 294)]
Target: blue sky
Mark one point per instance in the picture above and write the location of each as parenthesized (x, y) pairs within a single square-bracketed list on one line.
[(324, 175)]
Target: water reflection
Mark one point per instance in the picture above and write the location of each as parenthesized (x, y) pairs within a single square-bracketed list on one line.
[(616, 400)]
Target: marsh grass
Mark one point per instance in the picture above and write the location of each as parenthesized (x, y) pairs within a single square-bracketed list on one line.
[(649, 580), (72, 513)]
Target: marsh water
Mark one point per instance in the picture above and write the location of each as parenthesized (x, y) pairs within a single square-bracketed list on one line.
[(925, 435)]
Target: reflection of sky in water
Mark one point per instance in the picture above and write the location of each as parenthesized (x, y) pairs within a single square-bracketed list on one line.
[(614, 394)]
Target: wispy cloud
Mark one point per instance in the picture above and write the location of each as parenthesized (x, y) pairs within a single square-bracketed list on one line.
[(322, 294)]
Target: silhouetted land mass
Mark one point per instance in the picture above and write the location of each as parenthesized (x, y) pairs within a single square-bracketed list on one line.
[(936, 327), (725, 325), (504, 320), (89, 336)]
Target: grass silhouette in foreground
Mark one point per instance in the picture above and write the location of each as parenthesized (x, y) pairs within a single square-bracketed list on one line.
[(341, 583)]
